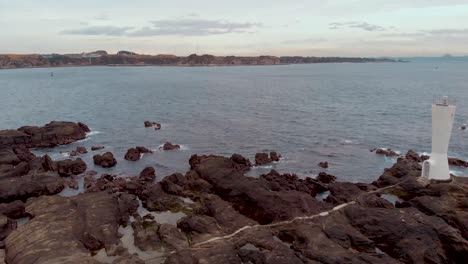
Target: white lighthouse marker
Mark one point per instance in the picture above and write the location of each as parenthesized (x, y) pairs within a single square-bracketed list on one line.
[(443, 113)]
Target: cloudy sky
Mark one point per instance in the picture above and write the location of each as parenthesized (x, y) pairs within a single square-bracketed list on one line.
[(240, 27)]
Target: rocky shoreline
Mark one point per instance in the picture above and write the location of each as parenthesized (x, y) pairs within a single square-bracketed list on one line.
[(215, 214)]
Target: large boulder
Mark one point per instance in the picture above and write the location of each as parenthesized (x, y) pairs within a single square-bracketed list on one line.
[(262, 159), (105, 160), (170, 146), (132, 154), (70, 167), (156, 126), (66, 230), (53, 134)]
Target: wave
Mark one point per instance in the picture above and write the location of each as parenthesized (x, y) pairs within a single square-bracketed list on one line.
[(93, 132)]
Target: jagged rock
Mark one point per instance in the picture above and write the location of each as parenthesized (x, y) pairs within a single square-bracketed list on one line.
[(148, 174), (243, 163), (156, 126), (387, 152), (94, 148), (325, 178), (274, 156), (15, 155), (262, 159), (170, 146), (13, 210), (53, 134), (252, 197), (70, 167), (323, 164), (105, 160), (132, 154), (457, 162)]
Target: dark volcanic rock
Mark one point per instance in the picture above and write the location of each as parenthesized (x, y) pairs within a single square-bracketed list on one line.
[(148, 174), (387, 152), (262, 159), (15, 155), (105, 160), (13, 210), (132, 154), (457, 162), (78, 150), (53, 134), (70, 167), (252, 197), (275, 156), (152, 124), (323, 164), (71, 227), (170, 146), (94, 148), (325, 178), (243, 163)]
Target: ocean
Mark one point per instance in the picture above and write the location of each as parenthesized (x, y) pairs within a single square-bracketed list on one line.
[(308, 113)]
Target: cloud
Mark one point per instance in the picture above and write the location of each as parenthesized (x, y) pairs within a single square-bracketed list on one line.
[(169, 27), (98, 30), (357, 24), (304, 41), (193, 27)]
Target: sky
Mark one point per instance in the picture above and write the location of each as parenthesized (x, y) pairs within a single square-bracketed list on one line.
[(370, 28)]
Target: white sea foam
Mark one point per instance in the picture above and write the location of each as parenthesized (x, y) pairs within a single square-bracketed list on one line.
[(346, 141), (92, 133)]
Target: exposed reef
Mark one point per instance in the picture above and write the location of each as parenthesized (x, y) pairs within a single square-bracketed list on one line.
[(215, 214)]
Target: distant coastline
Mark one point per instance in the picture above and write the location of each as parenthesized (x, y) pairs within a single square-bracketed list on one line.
[(125, 58)]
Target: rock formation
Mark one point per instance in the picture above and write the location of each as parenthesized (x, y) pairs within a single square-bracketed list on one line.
[(53, 134), (105, 160)]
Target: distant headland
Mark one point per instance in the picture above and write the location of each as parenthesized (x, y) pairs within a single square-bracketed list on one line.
[(128, 58)]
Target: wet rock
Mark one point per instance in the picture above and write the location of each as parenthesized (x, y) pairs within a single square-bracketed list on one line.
[(323, 164), (457, 162), (77, 151), (132, 154), (156, 126), (143, 149), (105, 160), (325, 178), (387, 152), (94, 148), (413, 155), (70, 225), (242, 162), (70, 167), (262, 159), (252, 197), (275, 156), (170, 146), (148, 174), (53, 134)]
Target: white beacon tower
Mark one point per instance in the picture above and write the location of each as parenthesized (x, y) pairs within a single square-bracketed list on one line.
[(443, 113)]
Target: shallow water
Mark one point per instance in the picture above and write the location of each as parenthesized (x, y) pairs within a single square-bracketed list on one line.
[(308, 113)]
